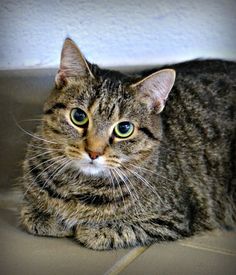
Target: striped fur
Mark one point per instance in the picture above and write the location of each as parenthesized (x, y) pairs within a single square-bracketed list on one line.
[(174, 177)]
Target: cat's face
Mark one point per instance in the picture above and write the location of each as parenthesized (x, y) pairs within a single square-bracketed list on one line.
[(101, 124)]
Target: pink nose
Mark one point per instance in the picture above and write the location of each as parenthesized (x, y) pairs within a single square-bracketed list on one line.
[(94, 155)]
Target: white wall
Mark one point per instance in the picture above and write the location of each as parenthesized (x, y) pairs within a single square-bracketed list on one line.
[(117, 32)]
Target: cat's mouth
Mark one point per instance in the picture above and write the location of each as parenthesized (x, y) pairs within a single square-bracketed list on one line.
[(90, 167)]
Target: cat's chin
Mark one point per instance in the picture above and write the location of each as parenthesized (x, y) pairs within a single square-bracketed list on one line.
[(90, 169), (93, 171)]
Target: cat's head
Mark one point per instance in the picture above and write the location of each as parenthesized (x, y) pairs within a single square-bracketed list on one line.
[(101, 119)]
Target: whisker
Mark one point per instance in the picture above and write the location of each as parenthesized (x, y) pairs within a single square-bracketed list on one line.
[(120, 189), (112, 184), (136, 193), (28, 120), (30, 134), (41, 163), (133, 198), (146, 183), (145, 169), (43, 171), (39, 155), (57, 171), (137, 198), (39, 147)]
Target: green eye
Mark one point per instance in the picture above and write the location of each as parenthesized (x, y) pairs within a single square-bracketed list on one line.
[(124, 129), (79, 117)]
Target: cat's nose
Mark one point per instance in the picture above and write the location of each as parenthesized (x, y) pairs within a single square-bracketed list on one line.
[(93, 155)]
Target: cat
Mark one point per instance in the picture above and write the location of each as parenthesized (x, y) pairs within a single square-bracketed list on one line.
[(123, 160)]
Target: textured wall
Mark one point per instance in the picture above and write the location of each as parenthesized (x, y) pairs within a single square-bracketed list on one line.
[(116, 32)]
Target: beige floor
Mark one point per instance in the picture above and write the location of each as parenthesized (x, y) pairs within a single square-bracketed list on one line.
[(22, 94)]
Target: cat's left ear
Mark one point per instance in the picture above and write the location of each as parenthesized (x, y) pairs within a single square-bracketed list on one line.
[(155, 88), (72, 64)]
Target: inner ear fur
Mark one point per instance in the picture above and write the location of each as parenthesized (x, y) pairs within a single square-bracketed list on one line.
[(155, 88), (72, 64)]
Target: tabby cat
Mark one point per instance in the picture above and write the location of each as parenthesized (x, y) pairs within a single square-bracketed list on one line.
[(112, 166)]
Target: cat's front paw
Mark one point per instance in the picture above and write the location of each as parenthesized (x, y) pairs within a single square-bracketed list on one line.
[(40, 223), (106, 238)]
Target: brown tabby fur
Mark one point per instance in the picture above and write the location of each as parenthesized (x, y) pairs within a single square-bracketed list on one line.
[(175, 176)]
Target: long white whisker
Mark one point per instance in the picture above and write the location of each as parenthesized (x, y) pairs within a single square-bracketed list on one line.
[(64, 163), (121, 192), (112, 184), (30, 134), (43, 171), (145, 169), (45, 148), (127, 187), (33, 119), (41, 163), (39, 155), (133, 187), (145, 182), (124, 177)]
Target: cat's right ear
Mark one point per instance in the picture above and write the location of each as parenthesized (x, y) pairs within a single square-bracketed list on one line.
[(72, 64), (155, 88)]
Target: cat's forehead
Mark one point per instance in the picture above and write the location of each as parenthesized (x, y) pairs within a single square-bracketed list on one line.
[(108, 99)]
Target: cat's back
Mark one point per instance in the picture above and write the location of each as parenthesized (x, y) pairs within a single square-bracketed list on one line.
[(209, 81), (199, 123), (204, 96)]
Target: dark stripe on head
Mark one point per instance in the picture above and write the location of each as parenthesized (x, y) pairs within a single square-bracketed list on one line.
[(147, 132), (111, 111), (54, 107)]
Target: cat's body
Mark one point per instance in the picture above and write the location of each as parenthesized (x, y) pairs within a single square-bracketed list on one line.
[(172, 177)]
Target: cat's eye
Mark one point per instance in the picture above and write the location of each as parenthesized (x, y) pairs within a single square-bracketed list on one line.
[(124, 129), (79, 117)]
